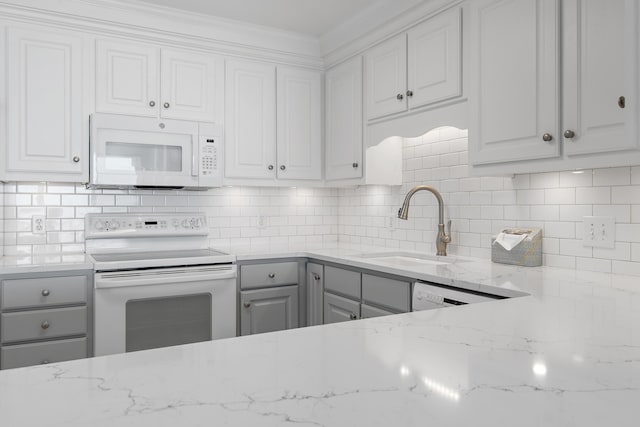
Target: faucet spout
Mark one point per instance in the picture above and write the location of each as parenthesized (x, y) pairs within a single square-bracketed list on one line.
[(442, 238)]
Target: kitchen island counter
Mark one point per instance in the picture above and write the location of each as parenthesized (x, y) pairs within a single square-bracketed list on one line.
[(568, 354)]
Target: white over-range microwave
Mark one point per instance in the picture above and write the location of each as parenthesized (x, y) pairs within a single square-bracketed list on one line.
[(139, 152)]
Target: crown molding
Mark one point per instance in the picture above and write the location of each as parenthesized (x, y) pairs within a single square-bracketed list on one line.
[(144, 22), (375, 24)]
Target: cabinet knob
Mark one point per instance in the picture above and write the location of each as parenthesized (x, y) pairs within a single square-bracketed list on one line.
[(247, 304), (76, 159), (569, 134), (355, 165), (270, 167), (399, 97), (152, 103), (45, 325), (45, 292), (353, 316), (272, 275), (316, 276), (547, 137), (622, 102), (167, 105), (409, 93), (282, 167)]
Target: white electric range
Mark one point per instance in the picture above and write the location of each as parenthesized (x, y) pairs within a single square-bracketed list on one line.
[(157, 283)]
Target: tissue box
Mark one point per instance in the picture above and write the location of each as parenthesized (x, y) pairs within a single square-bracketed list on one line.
[(527, 253)]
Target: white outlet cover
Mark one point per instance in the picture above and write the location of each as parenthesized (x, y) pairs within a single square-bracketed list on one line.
[(38, 225), (599, 231)]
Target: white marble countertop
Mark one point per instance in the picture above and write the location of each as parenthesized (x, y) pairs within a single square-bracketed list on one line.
[(16, 264), (569, 354)]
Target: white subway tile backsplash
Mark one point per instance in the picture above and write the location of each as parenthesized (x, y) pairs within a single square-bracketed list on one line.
[(612, 176)]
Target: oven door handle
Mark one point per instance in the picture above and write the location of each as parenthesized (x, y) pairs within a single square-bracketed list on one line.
[(122, 279)]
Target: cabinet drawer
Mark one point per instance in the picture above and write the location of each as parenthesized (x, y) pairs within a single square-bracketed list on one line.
[(17, 356), (268, 275), (386, 292), (30, 325), (44, 291), (339, 309), (341, 281)]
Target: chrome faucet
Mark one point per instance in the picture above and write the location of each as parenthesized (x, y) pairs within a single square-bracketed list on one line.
[(442, 238)]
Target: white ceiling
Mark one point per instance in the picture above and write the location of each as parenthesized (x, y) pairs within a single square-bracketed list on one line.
[(312, 17)]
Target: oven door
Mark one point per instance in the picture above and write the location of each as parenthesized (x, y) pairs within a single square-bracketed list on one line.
[(144, 309), (134, 151)]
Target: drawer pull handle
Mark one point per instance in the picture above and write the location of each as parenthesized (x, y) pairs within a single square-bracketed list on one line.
[(45, 362), (45, 292), (45, 325), (247, 304), (272, 275), (353, 316), (316, 276)]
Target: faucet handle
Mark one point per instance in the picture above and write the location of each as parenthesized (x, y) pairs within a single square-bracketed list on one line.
[(447, 237)]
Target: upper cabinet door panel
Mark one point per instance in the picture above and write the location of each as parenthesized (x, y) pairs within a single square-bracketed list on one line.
[(514, 80), (127, 78), (45, 118), (192, 86), (386, 78), (299, 124), (435, 59), (596, 75), (250, 111), (343, 115)]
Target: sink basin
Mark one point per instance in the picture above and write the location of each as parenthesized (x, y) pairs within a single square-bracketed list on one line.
[(407, 258)]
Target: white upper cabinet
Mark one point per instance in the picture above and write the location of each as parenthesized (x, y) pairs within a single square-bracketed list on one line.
[(146, 80), (435, 59), (386, 77), (343, 115), (127, 78), (250, 110), (192, 86), (521, 119), (595, 76), (514, 80), (47, 125), (416, 69), (299, 128)]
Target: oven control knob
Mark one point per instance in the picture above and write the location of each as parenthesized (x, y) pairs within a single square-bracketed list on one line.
[(98, 225), (197, 223), (114, 225), (185, 223)]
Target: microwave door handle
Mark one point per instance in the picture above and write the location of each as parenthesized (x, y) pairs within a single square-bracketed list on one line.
[(195, 156)]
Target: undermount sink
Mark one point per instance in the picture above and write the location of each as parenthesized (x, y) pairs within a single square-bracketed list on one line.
[(408, 258)]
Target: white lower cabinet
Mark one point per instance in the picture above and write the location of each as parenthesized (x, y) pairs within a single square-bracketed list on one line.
[(268, 310), (46, 116)]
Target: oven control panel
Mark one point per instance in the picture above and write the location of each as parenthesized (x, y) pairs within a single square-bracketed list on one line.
[(142, 225)]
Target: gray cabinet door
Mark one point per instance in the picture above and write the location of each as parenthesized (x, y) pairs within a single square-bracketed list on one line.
[(267, 310), (315, 292), (391, 293), (368, 311), (339, 309)]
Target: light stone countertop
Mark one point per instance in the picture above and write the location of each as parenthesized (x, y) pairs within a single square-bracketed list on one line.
[(18, 264), (567, 355)]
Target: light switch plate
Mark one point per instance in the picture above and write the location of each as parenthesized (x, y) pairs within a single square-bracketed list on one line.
[(599, 231)]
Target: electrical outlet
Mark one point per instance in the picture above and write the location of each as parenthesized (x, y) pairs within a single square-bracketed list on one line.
[(599, 231), (262, 221), (38, 224), (391, 223)]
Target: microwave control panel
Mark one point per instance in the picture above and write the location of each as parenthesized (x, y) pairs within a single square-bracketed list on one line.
[(210, 152)]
